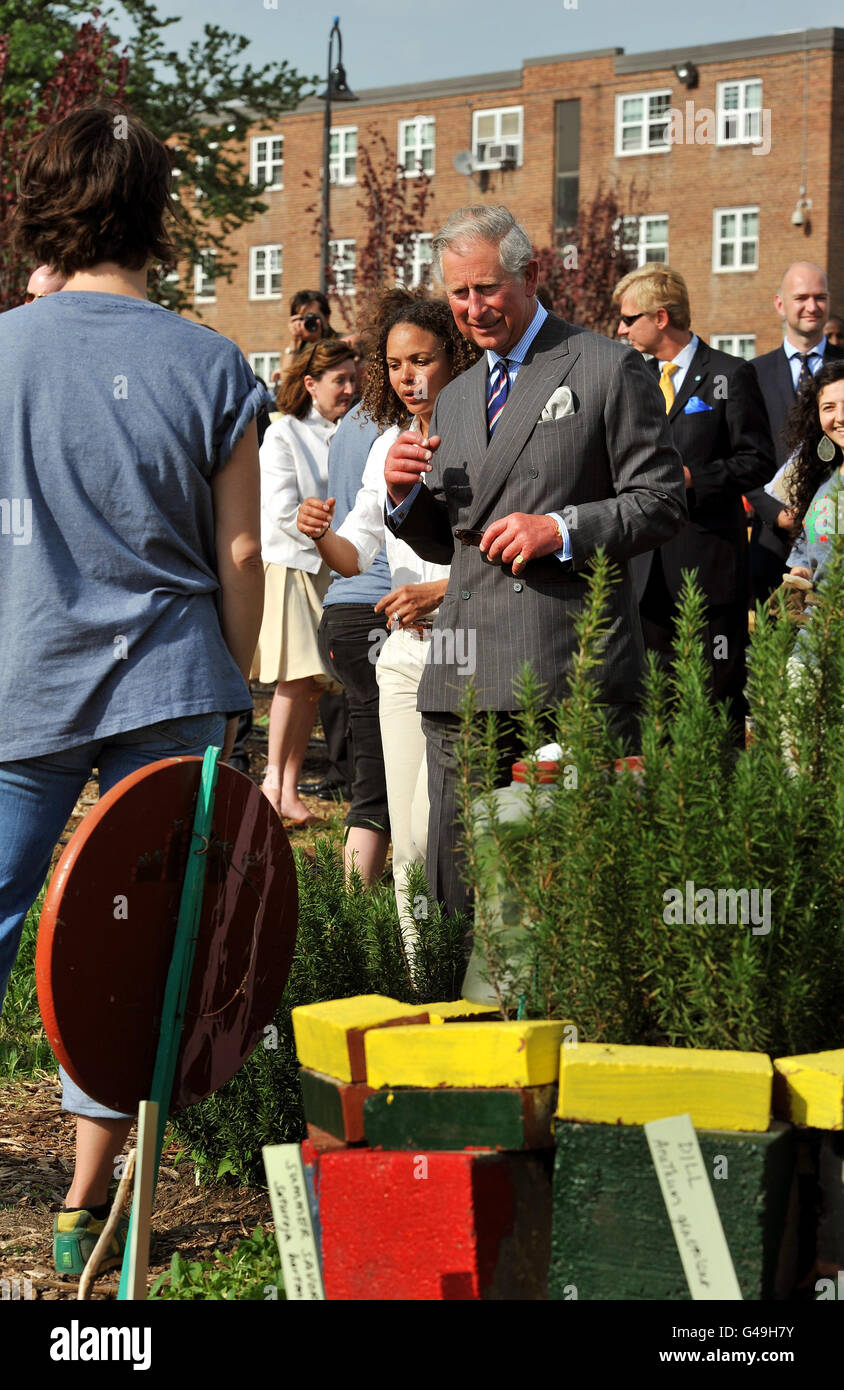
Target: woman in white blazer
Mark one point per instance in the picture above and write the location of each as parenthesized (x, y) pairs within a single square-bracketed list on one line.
[(419, 351), (315, 395)]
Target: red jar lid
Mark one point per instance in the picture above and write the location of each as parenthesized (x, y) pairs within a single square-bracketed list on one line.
[(546, 772)]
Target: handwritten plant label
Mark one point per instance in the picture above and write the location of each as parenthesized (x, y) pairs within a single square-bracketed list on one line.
[(691, 1208), (294, 1230)]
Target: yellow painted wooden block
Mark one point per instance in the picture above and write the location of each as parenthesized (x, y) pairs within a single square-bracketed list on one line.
[(465, 1054), (809, 1090), (608, 1084), (329, 1035), (460, 1008)]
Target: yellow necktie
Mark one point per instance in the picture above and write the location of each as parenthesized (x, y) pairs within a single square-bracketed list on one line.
[(666, 385)]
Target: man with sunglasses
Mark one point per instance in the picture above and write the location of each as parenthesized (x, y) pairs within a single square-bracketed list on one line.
[(719, 426)]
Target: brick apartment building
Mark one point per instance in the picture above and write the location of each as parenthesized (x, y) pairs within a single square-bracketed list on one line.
[(718, 168)]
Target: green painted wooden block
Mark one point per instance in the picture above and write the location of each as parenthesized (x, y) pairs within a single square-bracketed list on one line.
[(448, 1118), (334, 1106), (611, 1236)]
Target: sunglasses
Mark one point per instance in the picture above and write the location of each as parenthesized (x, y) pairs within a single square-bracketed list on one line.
[(629, 319)]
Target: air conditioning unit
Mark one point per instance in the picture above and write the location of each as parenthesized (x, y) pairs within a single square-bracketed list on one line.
[(501, 154)]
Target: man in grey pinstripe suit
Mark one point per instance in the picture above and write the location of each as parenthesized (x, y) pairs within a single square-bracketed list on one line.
[(579, 457)]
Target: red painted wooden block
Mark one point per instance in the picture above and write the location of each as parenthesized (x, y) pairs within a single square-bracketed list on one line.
[(434, 1226)]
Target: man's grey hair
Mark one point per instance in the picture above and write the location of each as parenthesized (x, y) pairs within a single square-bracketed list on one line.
[(493, 224)]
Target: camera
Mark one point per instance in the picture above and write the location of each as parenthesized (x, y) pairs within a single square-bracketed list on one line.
[(311, 323)]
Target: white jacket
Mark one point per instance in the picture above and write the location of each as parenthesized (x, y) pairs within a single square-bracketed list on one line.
[(294, 465)]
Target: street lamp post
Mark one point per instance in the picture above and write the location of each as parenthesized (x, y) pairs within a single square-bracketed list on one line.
[(335, 90)]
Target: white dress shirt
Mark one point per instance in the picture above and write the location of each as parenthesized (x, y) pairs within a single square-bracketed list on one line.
[(682, 361), (364, 525), (294, 465), (793, 354)]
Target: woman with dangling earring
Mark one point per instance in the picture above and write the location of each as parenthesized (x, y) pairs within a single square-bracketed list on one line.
[(316, 393), (812, 477)]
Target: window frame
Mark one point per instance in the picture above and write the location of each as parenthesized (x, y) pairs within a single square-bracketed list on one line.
[(267, 272), (719, 339), (741, 111), (718, 240), (269, 162), (498, 138), (419, 147), (198, 272), (342, 131), (645, 122), (334, 261), (415, 262), (253, 363), (641, 245)]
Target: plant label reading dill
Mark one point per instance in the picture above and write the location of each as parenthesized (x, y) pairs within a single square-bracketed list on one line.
[(294, 1230), (684, 1182)]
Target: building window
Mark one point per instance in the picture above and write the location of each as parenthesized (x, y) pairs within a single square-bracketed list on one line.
[(343, 154), (567, 159), (641, 123), (739, 344), (265, 272), (645, 238), (497, 137), (204, 281), (418, 253), (341, 256), (264, 364), (736, 239), (739, 112), (267, 162), (416, 145)]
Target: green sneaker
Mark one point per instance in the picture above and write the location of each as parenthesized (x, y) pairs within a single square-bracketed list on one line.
[(75, 1233)]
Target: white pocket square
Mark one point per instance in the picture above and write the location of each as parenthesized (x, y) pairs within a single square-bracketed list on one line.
[(559, 404)]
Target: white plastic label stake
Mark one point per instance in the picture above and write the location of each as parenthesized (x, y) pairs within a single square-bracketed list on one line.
[(691, 1208), (294, 1229)]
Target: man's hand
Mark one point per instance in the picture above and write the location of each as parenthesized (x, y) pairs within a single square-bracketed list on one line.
[(520, 537), (409, 457), (801, 572), (411, 602), (314, 516)]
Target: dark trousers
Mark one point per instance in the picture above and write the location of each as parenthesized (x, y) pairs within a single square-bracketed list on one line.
[(724, 638), (348, 637), (334, 718)]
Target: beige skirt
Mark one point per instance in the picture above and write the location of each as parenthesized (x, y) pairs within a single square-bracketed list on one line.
[(287, 645)]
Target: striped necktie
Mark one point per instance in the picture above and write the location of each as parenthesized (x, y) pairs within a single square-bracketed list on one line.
[(499, 386)]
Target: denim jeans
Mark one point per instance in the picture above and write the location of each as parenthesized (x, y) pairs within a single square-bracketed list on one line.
[(37, 796)]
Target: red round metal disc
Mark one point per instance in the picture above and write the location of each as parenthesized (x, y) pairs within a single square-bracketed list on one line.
[(109, 921)]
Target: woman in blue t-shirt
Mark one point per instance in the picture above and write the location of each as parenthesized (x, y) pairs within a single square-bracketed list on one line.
[(132, 586)]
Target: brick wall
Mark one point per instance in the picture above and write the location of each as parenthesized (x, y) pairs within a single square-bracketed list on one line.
[(687, 183)]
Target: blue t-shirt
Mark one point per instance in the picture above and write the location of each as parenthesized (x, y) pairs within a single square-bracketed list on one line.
[(116, 413), (347, 455)]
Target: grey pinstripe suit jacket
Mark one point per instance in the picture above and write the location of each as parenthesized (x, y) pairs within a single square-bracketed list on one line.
[(610, 469)]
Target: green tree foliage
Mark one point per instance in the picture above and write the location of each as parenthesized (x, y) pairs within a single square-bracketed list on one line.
[(201, 102)]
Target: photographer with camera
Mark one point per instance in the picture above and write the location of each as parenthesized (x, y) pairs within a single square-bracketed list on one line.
[(310, 321)]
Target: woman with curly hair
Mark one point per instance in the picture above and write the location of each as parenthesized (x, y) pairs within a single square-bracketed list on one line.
[(815, 436), (418, 351)]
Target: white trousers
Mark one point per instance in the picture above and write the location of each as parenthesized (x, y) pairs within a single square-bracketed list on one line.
[(398, 671)]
